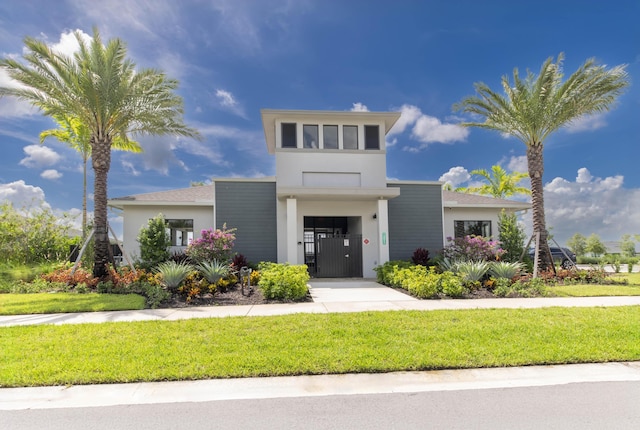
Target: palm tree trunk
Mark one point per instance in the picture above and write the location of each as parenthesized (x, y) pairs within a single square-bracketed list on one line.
[(101, 161), (535, 162), (84, 200)]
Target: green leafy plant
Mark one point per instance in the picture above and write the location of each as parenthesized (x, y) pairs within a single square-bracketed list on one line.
[(283, 281), (154, 242), (214, 270), (471, 271), (504, 269), (173, 273), (511, 236), (385, 272)]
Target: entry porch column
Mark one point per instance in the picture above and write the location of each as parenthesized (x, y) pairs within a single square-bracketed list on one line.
[(383, 231), (292, 231)]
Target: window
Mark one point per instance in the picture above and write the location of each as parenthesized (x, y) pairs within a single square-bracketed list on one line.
[(289, 135), (180, 231), (310, 136), (371, 137), (472, 228), (350, 137), (330, 136)]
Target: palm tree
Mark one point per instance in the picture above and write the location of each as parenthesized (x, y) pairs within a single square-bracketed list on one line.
[(536, 106), (500, 184), (102, 89), (77, 136)]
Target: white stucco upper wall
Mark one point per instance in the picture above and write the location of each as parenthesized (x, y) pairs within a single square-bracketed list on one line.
[(273, 118)]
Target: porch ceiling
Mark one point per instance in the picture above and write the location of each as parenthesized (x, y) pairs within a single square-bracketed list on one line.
[(347, 193)]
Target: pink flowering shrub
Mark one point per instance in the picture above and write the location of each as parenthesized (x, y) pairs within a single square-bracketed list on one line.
[(472, 248), (212, 245)]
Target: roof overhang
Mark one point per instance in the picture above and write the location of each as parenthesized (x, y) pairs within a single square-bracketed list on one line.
[(269, 117), (120, 204), (317, 193)]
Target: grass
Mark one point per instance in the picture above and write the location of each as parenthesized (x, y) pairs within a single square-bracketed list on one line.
[(315, 344), (631, 288), (46, 303)]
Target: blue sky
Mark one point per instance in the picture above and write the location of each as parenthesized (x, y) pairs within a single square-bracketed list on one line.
[(235, 57)]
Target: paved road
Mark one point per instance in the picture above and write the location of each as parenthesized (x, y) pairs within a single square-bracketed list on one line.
[(597, 405)]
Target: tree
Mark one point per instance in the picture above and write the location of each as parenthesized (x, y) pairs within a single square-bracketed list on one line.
[(535, 107), (75, 134), (154, 242), (627, 246), (595, 246), (500, 184), (102, 89), (578, 244), (511, 236)]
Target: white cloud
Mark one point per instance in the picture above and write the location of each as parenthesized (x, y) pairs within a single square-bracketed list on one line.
[(129, 167), (587, 123), (359, 107), (518, 164), (408, 116), (426, 129), (22, 195), (51, 174), (429, 129), (39, 156), (591, 205), (228, 101), (68, 44), (456, 176)]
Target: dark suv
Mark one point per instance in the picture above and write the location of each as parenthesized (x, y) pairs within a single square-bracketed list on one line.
[(559, 256)]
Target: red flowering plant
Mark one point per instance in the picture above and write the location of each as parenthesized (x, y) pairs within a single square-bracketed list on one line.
[(212, 245), (472, 248)]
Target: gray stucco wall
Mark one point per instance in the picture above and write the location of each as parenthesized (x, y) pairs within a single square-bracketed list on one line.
[(415, 220), (251, 208)]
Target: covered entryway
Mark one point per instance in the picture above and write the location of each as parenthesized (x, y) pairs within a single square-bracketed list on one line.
[(331, 250)]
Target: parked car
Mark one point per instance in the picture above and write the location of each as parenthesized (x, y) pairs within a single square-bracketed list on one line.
[(559, 256)]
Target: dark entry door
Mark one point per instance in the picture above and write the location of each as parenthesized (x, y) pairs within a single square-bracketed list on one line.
[(339, 256)]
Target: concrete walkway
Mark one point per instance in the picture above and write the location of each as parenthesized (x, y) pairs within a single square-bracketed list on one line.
[(329, 296), (337, 296)]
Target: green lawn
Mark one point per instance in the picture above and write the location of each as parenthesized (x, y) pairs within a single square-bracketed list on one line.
[(315, 344), (47, 303)]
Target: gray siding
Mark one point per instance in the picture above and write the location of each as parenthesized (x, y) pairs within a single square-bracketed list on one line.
[(415, 220), (250, 207)]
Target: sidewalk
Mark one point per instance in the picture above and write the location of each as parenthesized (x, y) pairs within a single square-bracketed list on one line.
[(319, 307)]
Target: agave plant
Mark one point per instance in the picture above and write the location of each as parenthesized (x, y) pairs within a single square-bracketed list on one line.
[(214, 270), (173, 273), (504, 269), (471, 271)]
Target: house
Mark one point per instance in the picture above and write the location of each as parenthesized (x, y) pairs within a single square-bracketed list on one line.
[(330, 205)]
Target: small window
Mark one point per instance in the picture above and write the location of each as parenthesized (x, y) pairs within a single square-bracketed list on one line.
[(350, 137), (289, 135), (180, 231), (310, 136), (472, 228), (330, 136), (371, 137)]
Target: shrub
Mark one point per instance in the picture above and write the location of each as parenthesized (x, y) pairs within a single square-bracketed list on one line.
[(385, 272), (173, 273), (534, 287), (239, 261), (154, 242), (212, 245), (283, 281), (421, 257), (472, 248), (452, 286), (511, 236), (421, 282)]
